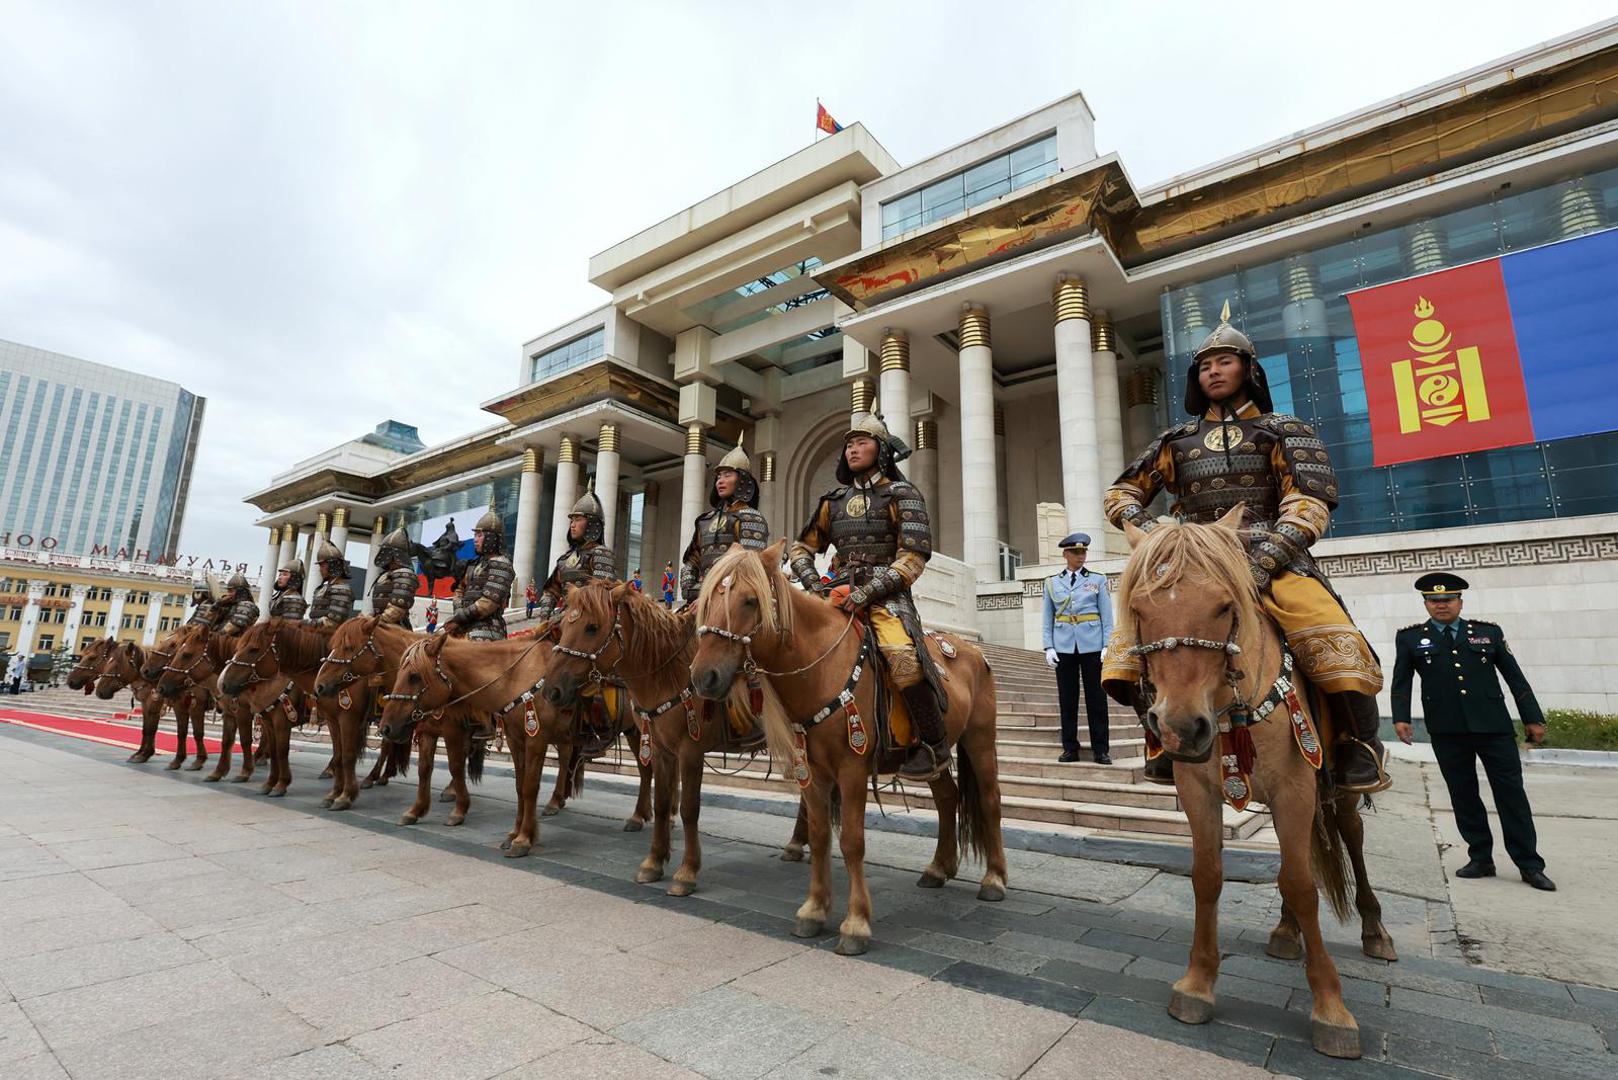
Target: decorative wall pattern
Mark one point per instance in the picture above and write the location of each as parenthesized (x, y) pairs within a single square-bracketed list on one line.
[(1002, 602), (1562, 549)]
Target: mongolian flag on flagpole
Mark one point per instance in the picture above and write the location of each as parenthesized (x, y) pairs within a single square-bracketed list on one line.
[(824, 122)]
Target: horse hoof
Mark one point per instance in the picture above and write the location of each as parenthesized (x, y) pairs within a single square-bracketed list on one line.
[(454, 820), (634, 824), (195, 766), (1379, 948), (807, 928), (326, 802), (212, 778), (238, 779), (383, 782), (173, 766), (517, 851), (682, 888), (277, 793), (369, 783), (1335, 1040), (852, 945), (1284, 948), (991, 893), (929, 880), (342, 803), (1190, 1010), (408, 819), (648, 874), (446, 795), (550, 810), (792, 855)]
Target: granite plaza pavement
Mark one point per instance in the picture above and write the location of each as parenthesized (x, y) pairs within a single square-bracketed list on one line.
[(153, 925)]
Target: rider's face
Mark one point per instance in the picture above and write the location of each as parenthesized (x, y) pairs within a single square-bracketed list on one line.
[(575, 526), (860, 453), (283, 579), (477, 541), (1220, 375), (724, 483)]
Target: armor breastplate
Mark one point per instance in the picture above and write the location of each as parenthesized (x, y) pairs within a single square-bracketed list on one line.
[(575, 566), (1208, 481), (862, 531), (717, 532)]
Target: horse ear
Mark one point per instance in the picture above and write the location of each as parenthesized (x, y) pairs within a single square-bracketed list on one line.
[(1232, 519), (1134, 534), (435, 645), (620, 590), (772, 554)]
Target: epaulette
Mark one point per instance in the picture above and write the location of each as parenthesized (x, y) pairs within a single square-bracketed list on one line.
[(1481, 622), (1276, 422), (1412, 626), (1190, 427)]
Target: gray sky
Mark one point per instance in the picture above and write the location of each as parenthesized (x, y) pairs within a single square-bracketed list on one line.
[(312, 212)]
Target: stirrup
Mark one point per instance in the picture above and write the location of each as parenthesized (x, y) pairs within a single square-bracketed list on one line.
[(938, 759), (1377, 753)]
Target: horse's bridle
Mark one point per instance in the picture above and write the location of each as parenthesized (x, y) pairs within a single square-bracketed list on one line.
[(597, 676), (347, 662), (254, 676), (417, 713), (1233, 674)]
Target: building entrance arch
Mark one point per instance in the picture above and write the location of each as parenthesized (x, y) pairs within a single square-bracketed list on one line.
[(812, 470)]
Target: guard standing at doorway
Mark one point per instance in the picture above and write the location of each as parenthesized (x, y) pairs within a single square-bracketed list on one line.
[(1078, 624), (1461, 662)]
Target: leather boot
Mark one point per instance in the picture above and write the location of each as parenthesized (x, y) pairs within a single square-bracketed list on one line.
[(931, 756), (1160, 770), (1361, 765)]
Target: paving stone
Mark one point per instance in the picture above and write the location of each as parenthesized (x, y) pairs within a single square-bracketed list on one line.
[(18, 1039), (1588, 1064), (829, 985), (39, 1067), (1565, 1009), (345, 1006), (601, 1057), (90, 1014), (1096, 981), (726, 1034), (1045, 993), (1264, 993), (74, 929), (192, 1043), (1169, 951), (1444, 1060), (481, 1037), (1595, 997), (604, 987), (1496, 1018), (334, 1061), (866, 1055), (988, 1032), (1100, 959), (1229, 1042), (1356, 993), (1300, 1059), (63, 969), (720, 950), (1103, 1052), (994, 956)]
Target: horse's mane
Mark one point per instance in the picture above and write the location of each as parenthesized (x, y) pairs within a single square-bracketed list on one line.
[(747, 571), (219, 647), (1185, 554), (659, 634), (303, 647)]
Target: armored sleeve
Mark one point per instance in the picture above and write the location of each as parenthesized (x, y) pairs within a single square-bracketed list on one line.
[(1129, 496), (339, 604), (492, 597), (550, 593), (907, 513), (752, 531), (398, 595), (204, 613), (1308, 488), (243, 613), (603, 563), (691, 561), (814, 539)]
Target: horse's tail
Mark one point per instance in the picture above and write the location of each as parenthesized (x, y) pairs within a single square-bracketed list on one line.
[(1328, 858), (575, 772), (971, 818), (474, 760), (398, 755)]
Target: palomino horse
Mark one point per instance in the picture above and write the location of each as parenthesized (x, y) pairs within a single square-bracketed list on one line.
[(120, 669), (271, 675), (620, 627), (1211, 653), (191, 659), (811, 656)]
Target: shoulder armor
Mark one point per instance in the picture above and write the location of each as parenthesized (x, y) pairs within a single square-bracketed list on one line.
[(1283, 424), (833, 495), (1189, 427), (903, 489)]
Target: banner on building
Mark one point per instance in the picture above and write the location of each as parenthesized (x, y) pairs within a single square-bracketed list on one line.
[(448, 540), (1513, 350)]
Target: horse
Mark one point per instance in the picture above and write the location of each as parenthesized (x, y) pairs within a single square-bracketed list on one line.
[(119, 668), (1211, 654), (271, 676), (656, 645), (192, 658), (755, 625)]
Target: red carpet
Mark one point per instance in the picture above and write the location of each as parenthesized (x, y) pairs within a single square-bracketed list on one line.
[(100, 730)]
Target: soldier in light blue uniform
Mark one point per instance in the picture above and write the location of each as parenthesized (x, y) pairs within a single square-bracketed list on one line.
[(1078, 624)]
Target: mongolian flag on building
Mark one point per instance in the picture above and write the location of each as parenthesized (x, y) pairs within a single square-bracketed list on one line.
[(1513, 350), (824, 122)]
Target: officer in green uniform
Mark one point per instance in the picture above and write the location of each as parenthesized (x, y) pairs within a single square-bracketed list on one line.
[(1461, 662)]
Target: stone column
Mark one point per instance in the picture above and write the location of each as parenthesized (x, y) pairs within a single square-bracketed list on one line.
[(607, 480), (567, 493), (311, 574), (75, 618), (30, 618), (115, 613), (692, 484), (288, 546), (861, 396), (895, 377), (769, 494), (339, 530), (1141, 394), (1076, 406), (1001, 530), (620, 538), (154, 612), (379, 529), (979, 487), (648, 534), (526, 547), (1109, 415), (922, 468), (266, 577)]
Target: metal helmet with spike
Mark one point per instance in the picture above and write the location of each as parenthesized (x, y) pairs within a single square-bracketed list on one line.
[(738, 462), (295, 571), (238, 582), (328, 554), (890, 450), (395, 549), (588, 507), (1226, 338), (493, 530)]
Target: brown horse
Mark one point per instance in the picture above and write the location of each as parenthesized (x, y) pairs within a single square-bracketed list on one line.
[(1187, 595), (119, 668), (639, 641), (349, 685), (191, 659), (808, 652), (271, 676)]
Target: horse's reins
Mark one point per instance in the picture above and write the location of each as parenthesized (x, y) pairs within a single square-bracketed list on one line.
[(417, 714), (347, 662)]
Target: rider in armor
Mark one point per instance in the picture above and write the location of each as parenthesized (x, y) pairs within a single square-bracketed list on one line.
[(393, 592), (586, 556), (878, 523), (734, 519), (1237, 449), (235, 611), (334, 596), (286, 600), (486, 586), (204, 595)]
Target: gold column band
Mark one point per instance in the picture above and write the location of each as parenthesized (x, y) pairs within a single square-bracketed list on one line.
[(568, 452), (766, 473), (339, 518), (320, 523), (895, 351), (1071, 299), (926, 434), (380, 525), (862, 395), (974, 326), (1102, 336), (530, 460), (1141, 388), (1301, 284), (275, 534), (608, 443), (696, 439), (289, 533)]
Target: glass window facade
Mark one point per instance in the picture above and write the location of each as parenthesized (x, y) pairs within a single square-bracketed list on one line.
[(576, 353), (1295, 312), (984, 181)]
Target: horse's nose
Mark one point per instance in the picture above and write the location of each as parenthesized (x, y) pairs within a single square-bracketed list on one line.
[(553, 694), (325, 690), (707, 683)]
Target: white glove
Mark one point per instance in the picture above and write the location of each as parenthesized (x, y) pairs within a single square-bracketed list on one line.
[(1050, 658)]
